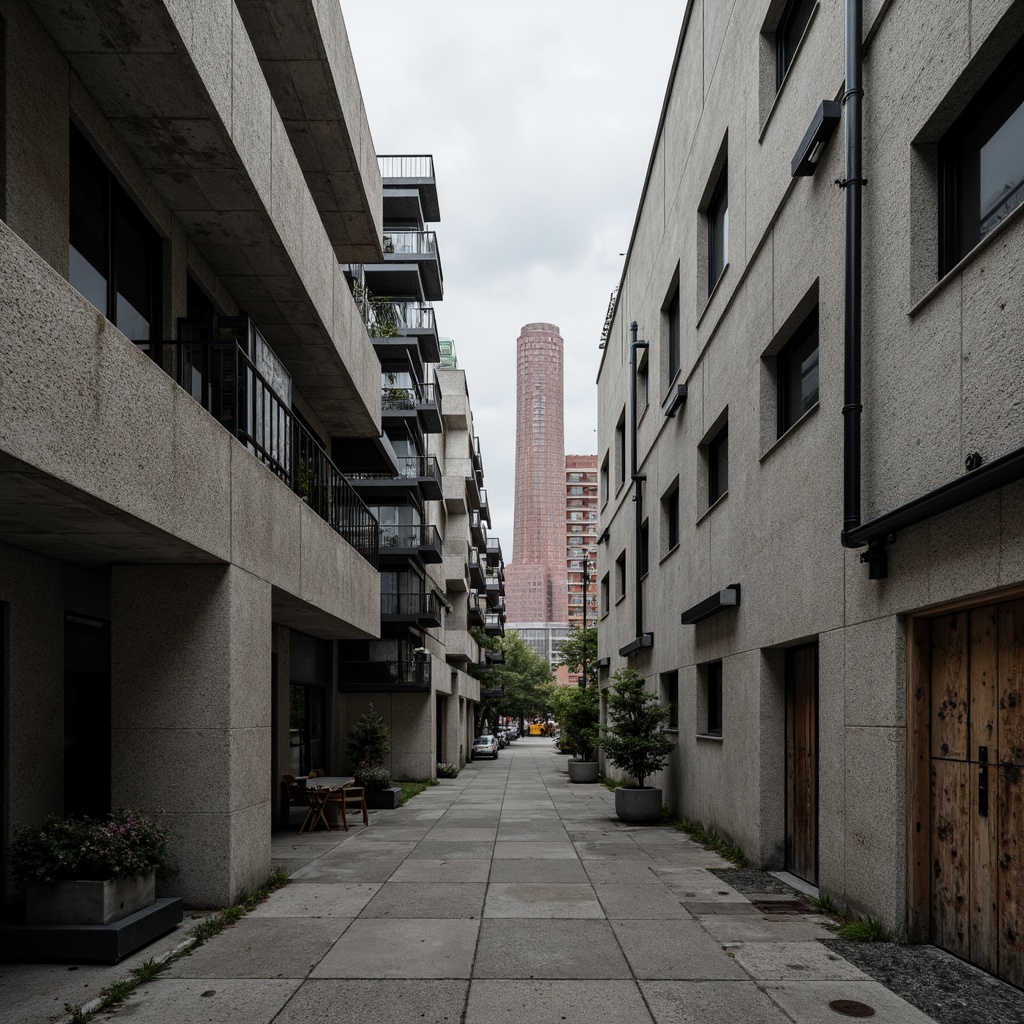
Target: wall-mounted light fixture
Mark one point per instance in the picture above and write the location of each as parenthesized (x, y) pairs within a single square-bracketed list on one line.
[(727, 598), (675, 401), (823, 126)]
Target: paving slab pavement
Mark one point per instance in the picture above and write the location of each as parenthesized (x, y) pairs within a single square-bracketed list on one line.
[(503, 895)]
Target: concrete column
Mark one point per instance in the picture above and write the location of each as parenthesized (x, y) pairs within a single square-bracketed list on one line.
[(191, 713), (453, 736)]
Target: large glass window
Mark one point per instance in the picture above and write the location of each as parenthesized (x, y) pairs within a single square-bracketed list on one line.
[(982, 163), (718, 230), (797, 373), (114, 256)]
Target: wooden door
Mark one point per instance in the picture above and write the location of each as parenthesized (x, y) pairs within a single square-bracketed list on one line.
[(802, 762), (976, 796)]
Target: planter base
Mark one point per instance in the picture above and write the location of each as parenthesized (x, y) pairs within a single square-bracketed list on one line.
[(638, 805), (88, 901), (583, 771), (384, 799), (89, 943)]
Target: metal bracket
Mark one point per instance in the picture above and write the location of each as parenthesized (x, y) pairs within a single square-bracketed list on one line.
[(846, 182)]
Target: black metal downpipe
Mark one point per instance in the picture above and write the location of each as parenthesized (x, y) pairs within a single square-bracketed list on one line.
[(853, 185), (638, 478)]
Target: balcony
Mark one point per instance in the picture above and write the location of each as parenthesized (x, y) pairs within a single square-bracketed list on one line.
[(477, 530), (494, 624), (412, 266), (476, 569), (494, 552), (478, 462), (400, 543), (413, 399), (413, 609), (224, 380), (384, 676), (485, 508), (418, 471), (412, 172), (403, 325), (472, 488), (495, 588), (475, 608)]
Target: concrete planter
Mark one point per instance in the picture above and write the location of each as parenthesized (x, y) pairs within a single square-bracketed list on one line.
[(384, 799), (583, 771), (638, 805), (88, 902)]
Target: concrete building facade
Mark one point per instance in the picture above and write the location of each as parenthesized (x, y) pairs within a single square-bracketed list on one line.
[(581, 536), (181, 352), (840, 709), (536, 574)]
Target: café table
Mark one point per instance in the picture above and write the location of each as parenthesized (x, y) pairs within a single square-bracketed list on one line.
[(318, 795)]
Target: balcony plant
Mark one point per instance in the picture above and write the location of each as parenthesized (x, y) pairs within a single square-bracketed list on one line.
[(636, 744), (88, 871)]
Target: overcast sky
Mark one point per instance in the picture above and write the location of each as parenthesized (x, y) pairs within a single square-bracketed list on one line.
[(540, 116)]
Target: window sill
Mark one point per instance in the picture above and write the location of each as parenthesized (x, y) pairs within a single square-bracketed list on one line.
[(711, 508), (712, 737), (677, 378), (620, 599), (711, 294), (779, 441), (671, 729), (668, 554)]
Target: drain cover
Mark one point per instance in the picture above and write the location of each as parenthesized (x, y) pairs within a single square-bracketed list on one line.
[(851, 1008)]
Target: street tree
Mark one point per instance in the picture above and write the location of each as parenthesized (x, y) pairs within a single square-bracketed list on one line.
[(524, 676)]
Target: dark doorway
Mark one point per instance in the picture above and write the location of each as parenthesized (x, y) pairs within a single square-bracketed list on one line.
[(309, 677), (802, 762), (86, 716)]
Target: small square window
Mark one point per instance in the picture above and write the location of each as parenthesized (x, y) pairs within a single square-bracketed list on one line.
[(981, 163), (670, 514), (670, 696), (797, 374), (718, 465), (718, 229), (792, 26), (620, 576), (713, 690)]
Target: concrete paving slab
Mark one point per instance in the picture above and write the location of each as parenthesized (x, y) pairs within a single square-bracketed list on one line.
[(548, 949), (402, 949), (728, 928), (534, 851), (460, 834), (522, 834), (430, 850), (624, 871), (434, 900), (263, 948), (459, 870), (793, 961), (564, 871), (674, 951), (542, 900), (590, 850), (806, 1002), (639, 901), (361, 869), (397, 833), (316, 899), (329, 1001), (712, 1002), (226, 1001), (571, 1002)]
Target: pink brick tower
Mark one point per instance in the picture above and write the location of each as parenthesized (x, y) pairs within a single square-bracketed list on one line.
[(535, 581)]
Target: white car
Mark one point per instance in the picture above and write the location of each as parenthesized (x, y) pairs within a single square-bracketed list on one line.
[(485, 746)]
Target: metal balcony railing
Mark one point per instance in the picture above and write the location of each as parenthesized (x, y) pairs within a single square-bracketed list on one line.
[(225, 381), (410, 243), (354, 676), (407, 397), (410, 467), (389, 319), (408, 537), (410, 605), (406, 166)]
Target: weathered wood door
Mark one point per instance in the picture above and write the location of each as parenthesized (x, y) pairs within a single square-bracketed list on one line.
[(802, 762), (976, 794)]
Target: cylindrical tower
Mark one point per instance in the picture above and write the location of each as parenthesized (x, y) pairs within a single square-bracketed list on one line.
[(535, 580)]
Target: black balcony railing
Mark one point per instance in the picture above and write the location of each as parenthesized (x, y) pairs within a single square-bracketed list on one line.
[(410, 467), (356, 676), (224, 380), (408, 397), (410, 243), (410, 606), (494, 624), (390, 319)]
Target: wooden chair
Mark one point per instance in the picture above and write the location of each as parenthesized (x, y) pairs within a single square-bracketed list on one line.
[(351, 798)]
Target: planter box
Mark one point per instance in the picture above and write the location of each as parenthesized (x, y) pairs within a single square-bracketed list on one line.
[(638, 805), (88, 902), (583, 771), (384, 799)]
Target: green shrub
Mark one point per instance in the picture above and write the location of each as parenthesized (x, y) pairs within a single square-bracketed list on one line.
[(372, 777), (446, 770), (368, 742), (635, 742)]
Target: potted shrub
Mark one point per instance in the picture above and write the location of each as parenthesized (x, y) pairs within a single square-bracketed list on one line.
[(368, 743), (581, 730), (86, 871), (636, 744)]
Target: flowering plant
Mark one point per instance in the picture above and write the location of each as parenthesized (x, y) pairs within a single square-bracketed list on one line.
[(446, 770), (123, 845), (372, 777)]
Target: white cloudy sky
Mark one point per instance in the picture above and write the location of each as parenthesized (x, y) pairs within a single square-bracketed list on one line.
[(540, 116)]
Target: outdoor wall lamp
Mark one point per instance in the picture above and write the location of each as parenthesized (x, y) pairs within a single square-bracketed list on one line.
[(675, 401), (823, 126)]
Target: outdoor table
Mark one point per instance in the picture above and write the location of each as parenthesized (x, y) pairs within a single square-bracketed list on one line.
[(318, 794)]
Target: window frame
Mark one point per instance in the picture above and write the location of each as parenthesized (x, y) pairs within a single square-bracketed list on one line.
[(670, 511), (717, 217), (620, 577), (718, 444), (787, 43), (620, 451), (786, 418), (673, 345), (713, 699), (669, 687)]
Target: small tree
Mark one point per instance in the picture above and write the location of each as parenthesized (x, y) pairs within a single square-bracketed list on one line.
[(369, 740), (635, 742), (579, 650), (579, 715)]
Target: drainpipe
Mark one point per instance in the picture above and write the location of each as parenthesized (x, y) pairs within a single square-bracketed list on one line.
[(638, 478)]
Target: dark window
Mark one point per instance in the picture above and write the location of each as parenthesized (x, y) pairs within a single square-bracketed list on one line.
[(605, 594), (672, 316), (718, 465), (718, 229), (620, 450), (670, 697), (605, 487), (982, 163), (788, 35), (309, 677), (797, 373), (670, 503), (620, 576), (114, 258), (645, 548), (713, 682), (643, 393)]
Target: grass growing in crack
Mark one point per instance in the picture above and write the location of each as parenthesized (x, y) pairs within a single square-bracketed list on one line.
[(216, 923), (711, 840), (824, 904), (864, 929)]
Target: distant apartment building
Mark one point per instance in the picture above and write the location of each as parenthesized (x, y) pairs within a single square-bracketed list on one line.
[(581, 537), (449, 357), (535, 578)]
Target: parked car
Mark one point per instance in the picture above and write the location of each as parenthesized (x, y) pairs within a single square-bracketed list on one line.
[(502, 739), (485, 746)]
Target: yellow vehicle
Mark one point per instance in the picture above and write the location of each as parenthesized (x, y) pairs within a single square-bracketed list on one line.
[(536, 728)]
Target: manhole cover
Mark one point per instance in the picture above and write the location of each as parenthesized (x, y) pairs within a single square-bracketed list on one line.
[(851, 1008), (780, 906)]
